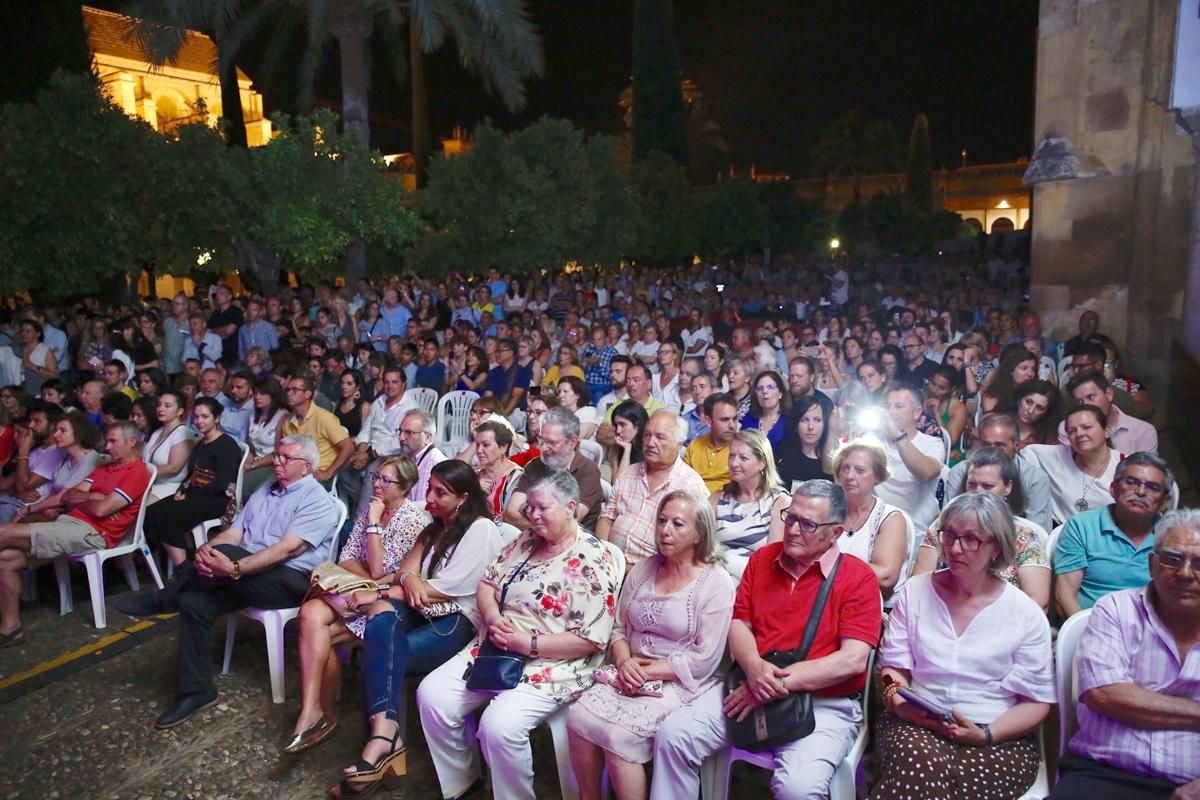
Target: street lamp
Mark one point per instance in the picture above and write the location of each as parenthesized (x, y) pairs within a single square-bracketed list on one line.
[(834, 244)]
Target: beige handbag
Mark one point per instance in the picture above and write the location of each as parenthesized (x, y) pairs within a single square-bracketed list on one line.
[(335, 584)]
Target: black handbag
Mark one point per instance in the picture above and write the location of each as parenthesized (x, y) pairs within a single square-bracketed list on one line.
[(496, 670), (788, 718)]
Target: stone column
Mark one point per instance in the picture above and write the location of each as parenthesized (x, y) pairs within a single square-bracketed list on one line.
[(1190, 121)]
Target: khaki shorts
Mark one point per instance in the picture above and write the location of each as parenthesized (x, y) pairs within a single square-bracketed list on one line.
[(65, 536)]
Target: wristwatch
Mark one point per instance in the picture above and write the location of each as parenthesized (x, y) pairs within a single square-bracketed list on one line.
[(237, 570), (533, 645), (987, 731)]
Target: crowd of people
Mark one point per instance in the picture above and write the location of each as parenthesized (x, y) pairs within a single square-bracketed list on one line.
[(665, 469)]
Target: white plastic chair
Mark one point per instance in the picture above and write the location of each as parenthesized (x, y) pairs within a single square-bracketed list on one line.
[(1040, 789), (591, 451), (201, 531), (607, 489), (454, 419), (274, 620), (94, 563), (947, 446), (714, 772), (426, 399), (1066, 676), (1052, 543)]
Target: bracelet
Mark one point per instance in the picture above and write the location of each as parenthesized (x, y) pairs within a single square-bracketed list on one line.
[(987, 731), (900, 438), (400, 578), (374, 529)]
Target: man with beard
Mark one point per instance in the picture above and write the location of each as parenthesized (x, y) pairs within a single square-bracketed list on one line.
[(559, 441), (416, 434)]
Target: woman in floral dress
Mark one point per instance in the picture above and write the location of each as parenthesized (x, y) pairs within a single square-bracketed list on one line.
[(551, 597), (672, 622)]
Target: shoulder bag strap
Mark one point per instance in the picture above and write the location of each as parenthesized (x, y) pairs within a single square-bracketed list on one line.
[(814, 619), (516, 573)]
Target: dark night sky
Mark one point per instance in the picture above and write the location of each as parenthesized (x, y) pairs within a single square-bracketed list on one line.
[(776, 71)]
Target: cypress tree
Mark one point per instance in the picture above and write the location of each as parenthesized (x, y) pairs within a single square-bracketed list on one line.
[(918, 184), (659, 117)]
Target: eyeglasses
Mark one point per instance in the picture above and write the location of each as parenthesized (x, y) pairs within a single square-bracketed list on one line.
[(969, 544), (1151, 487), (295, 389), (806, 525), (1175, 562), (766, 387), (379, 477), (280, 458)]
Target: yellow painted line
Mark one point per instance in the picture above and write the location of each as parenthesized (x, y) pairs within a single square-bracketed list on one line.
[(74, 655)]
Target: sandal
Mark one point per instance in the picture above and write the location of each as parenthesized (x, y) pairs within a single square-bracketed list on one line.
[(14, 639), (367, 777)]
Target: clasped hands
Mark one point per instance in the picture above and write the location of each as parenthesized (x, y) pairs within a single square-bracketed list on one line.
[(764, 683), (212, 563), (505, 636)]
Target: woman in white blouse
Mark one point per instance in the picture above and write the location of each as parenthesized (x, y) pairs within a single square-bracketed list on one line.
[(1080, 472), (170, 447), (573, 395), (269, 411), (976, 651)]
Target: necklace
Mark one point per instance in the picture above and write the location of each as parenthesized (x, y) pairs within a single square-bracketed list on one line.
[(1081, 504)]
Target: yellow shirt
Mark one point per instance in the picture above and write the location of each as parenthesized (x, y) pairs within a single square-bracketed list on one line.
[(651, 405), (711, 462), (323, 427), (552, 376)]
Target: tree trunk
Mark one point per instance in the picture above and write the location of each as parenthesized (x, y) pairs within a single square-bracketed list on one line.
[(353, 29), (232, 120), (259, 268), (420, 105)]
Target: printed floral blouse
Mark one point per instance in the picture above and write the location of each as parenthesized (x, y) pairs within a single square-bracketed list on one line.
[(399, 536), (573, 592), (1030, 551)]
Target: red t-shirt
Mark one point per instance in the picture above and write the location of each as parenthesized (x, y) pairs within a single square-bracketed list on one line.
[(128, 480), (521, 459), (776, 606)]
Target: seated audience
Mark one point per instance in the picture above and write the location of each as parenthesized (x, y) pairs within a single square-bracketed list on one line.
[(873, 530), (1139, 712), (562, 635), (1106, 549), (978, 647), (94, 514), (627, 519), (170, 448), (769, 407), (914, 459), (1126, 432), (804, 454), (773, 604), (559, 437), (270, 409), (622, 437), (308, 419), (263, 559), (1039, 408), (1000, 430), (672, 621), (498, 475), (748, 507), (416, 434)]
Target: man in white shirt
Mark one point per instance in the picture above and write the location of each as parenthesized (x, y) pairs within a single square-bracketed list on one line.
[(379, 437), (839, 288), (618, 394), (914, 458), (203, 345), (696, 336)]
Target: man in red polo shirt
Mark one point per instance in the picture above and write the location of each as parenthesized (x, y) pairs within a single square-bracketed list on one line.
[(773, 603), (94, 515)]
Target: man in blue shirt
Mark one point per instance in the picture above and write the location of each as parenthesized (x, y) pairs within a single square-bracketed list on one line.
[(264, 559), (508, 381), (1107, 550), (431, 370), (396, 313), (256, 331), (238, 402)]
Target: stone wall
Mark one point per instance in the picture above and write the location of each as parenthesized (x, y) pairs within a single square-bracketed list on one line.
[(1111, 176)]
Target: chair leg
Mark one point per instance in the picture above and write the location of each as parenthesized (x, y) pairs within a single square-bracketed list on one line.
[(230, 634), (714, 775), (274, 631), (131, 578), (62, 573), (150, 565), (562, 753), (95, 573), (841, 787)]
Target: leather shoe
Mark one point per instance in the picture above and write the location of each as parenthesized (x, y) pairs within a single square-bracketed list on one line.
[(310, 737), (139, 605), (188, 704)]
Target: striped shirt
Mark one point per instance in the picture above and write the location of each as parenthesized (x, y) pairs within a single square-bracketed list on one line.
[(1127, 642), (634, 507)]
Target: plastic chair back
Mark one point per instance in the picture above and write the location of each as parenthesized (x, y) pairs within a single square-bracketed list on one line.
[(454, 418), (425, 399), (1066, 677)]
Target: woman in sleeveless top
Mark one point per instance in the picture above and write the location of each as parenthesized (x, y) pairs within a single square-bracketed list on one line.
[(748, 507), (170, 447), (497, 474), (874, 531)]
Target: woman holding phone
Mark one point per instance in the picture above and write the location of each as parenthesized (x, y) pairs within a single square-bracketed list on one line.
[(966, 668)]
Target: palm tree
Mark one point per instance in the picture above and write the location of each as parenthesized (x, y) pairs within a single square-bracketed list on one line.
[(853, 145)]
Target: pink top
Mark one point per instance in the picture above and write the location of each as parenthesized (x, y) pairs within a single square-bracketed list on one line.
[(1126, 642)]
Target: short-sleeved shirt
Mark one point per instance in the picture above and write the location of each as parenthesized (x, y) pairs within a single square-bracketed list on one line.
[(711, 463), (633, 506), (1092, 542), (129, 481), (304, 509), (586, 474), (776, 606), (501, 382), (323, 427)]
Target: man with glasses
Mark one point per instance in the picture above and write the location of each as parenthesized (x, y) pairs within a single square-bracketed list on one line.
[(558, 439), (1139, 715), (1090, 356), (416, 434), (307, 419), (774, 601), (508, 382), (263, 559), (920, 368), (1105, 550)]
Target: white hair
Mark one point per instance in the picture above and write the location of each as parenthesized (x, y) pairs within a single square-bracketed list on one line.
[(308, 448)]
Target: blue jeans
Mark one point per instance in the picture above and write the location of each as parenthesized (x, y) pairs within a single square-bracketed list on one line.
[(403, 642)]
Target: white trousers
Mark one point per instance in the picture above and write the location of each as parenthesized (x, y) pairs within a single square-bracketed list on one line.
[(444, 702), (803, 769)]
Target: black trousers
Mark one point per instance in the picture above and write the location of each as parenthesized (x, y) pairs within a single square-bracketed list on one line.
[(170, 521), (1084, 779), (201, 601)]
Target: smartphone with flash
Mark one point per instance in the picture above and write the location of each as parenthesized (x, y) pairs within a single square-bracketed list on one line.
[(930, 707)]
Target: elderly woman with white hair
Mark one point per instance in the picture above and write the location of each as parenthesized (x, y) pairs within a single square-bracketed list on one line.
[(672, 622), (549, 601), (966, 668)]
